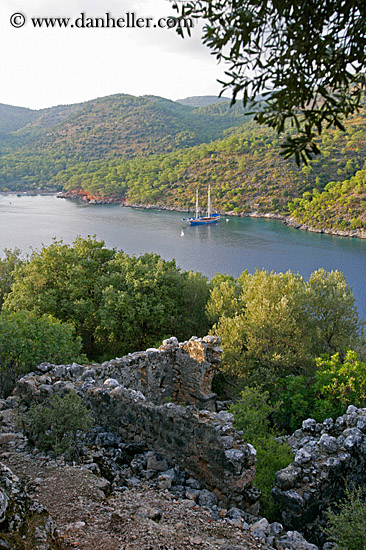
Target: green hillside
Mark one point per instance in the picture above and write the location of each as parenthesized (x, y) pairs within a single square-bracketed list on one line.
[(13, 118), (342, 205), (150, 150), (203, 100)]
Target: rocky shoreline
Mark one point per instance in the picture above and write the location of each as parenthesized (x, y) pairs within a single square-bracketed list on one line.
[(286, 220)]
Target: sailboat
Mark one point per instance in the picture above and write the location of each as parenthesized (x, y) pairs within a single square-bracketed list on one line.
[(203, 220)]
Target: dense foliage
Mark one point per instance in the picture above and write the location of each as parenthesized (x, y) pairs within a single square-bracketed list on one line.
[(324, 393), (342, 205), (117, 303), (252, 415), (27, 339), (273, 324)]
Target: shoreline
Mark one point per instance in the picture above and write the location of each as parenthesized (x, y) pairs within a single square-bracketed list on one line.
[(286, 220)]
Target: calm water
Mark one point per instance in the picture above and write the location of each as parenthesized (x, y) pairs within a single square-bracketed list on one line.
[(242, 243)]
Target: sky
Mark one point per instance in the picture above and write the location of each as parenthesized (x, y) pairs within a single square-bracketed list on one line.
[(42, 67)]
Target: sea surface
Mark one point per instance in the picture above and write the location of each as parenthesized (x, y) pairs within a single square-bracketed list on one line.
[(227, 247)]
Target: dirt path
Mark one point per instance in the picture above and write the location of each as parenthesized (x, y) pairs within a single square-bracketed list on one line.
[(139, 518)]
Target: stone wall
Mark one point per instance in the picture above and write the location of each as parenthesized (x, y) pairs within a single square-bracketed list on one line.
[(179, 373), (141, 396), (328, 455)]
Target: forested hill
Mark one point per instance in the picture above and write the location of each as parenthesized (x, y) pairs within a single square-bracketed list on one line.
[(203, 100), (151, 150), (114, 126)]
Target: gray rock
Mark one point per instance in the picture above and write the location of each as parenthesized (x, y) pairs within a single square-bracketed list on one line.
[(309, 425), (236, 458), (44, 367), (110, 384), (206, 498), (156, 462), (3, 504), (226, 417), (295, 541), (192, 494), (235, 513), (260, 528), (302, 456), (328, 444), (193, 483), (361, 424), (353, 438), (167, 479), (276, 528), (328, 423), (288, 477)]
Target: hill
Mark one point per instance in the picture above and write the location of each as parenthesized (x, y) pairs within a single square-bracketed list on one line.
[(150, 150), (118, 125), (203, 100), (13, 118)]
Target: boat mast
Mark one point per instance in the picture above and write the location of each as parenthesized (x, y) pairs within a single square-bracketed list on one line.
[(209, 203), (196, 203)]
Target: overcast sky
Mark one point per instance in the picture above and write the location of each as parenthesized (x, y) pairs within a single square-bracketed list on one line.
[(41, 67)]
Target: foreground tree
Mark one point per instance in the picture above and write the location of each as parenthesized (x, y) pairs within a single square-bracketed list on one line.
[(301, 63), (27, 340), (275, 324), (117, 303)]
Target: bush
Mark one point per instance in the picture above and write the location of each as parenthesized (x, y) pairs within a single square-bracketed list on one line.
[(54, 426), (252, 415), (27, 340), (348, 527)]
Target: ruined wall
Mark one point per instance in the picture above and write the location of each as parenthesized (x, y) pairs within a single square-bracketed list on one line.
[(127, 396), (328, 455), (181, 373)]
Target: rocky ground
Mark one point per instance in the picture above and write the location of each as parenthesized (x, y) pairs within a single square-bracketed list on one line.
[(89, 516)]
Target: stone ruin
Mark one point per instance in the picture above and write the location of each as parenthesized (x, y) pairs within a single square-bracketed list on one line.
[(328, 455), (161, 399)]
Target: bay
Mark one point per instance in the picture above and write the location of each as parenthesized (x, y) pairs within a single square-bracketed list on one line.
[(227, 247)]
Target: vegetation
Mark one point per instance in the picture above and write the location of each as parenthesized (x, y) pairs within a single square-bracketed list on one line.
[(252, 415), (55, 426), (306, 59), (27, 339), (274, 328), (280, 334), (342, 205), (325, 393), (154, 151), (273, 324), (117, 303), (347, 526)]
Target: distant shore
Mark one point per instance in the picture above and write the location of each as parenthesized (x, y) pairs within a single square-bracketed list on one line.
[(287, 220)]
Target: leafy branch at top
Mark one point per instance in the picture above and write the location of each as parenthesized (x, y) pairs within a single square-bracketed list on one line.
[(299, 65)]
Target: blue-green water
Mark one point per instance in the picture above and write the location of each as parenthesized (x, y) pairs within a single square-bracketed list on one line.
[(227, 247)]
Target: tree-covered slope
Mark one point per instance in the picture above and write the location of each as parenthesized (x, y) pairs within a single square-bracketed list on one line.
[(203, 100), (13, 118), (154, 151), (119, 125), (342, 205)]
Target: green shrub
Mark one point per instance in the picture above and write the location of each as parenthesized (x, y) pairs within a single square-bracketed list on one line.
[(347, 527), (252, 415), (27, 340), (54, 425)]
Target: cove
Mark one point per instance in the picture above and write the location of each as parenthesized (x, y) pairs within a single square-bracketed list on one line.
[(226, 247)]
